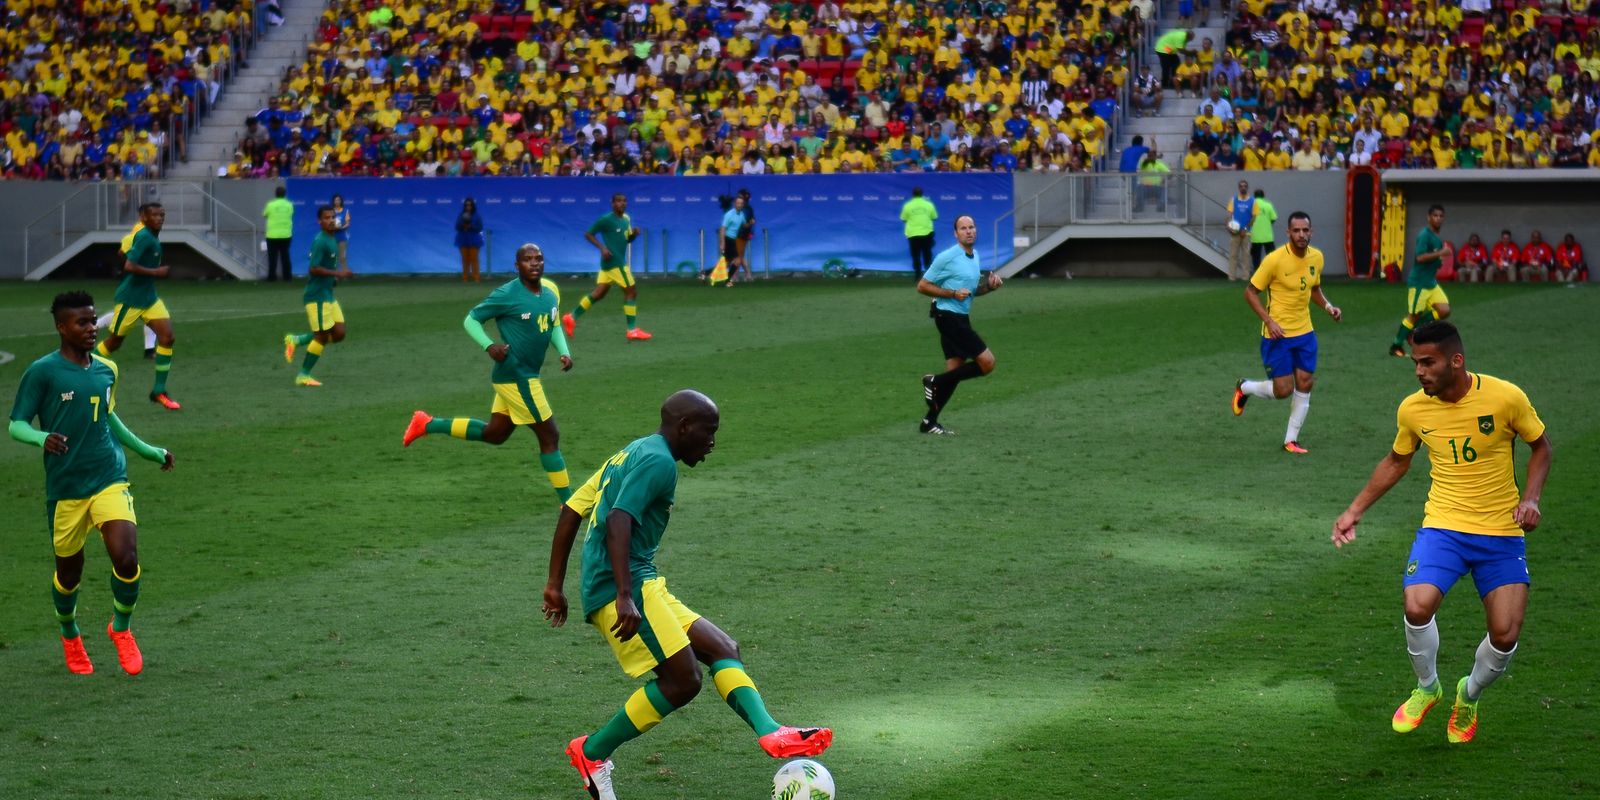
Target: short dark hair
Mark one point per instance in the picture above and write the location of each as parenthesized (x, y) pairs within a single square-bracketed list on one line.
[(1300, 215), (916, 192), (327, 207), (281, 191), (1435, 207), (1137, 140), (73, 299), (1439, 332), (143, 207), (1261, 193)]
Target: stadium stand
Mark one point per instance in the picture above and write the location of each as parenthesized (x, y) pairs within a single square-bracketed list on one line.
[(107, 89)]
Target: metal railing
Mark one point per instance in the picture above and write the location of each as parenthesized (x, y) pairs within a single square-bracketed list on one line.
[(114, 206), (1094, 198)]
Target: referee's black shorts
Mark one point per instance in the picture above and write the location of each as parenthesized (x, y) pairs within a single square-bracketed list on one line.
[(956, 335), (730, 247)]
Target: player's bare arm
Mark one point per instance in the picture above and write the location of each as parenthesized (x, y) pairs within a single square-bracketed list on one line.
[(1526, 514), (1252, 295), (1322, 300), (604, 251), (1389, 471), (992, 283), (555, 598), (937, 291), (619, 532)]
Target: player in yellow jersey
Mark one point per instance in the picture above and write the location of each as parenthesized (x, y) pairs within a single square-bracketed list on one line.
[(1291, 276), (1474, 520)]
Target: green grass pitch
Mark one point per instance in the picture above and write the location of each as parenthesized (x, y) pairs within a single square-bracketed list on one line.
[(1105, 586)]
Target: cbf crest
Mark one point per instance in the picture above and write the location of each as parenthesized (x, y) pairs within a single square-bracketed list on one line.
[(1486, 423)]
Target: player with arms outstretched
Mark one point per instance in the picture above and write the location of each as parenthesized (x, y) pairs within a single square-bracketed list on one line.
[(1292, 277), (73, 393), (1474, 519), (624, 509), (528, 313)]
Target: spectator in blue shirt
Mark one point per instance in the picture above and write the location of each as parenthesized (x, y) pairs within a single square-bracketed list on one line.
[(1004, 160), (1133, 155)]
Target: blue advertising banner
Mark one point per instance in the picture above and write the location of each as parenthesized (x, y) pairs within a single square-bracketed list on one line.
[(407, 225)]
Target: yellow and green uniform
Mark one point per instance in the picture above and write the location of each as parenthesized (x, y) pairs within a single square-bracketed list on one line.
[(136, 300), (1470, 451), (1423, 291), (530, 323), (613, 230), (641, 481), (87, 486), (1287, 280), (322, 311)]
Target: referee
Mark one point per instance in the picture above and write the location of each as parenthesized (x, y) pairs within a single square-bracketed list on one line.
[(952, 281)]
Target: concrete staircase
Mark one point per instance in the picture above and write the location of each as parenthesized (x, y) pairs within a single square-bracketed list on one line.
[(1168, 133), (211, 145)]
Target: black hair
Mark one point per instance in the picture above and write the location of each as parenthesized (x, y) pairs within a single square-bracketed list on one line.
[(143, 207), (1435, 207), (73, 299), (1441, 333), (327, 207), (1137, 140), (917, 192), (281, 191), (1261, 193), (725, 201), (1300, 215)]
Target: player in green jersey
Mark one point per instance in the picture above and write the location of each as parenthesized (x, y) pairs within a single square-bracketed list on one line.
[(137, 303), (624, 509), (73, 393), (615, 231), (323, 312), (1425, 298), (527, 312)]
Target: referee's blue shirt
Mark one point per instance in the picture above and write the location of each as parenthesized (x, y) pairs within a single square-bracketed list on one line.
[(953, 269)]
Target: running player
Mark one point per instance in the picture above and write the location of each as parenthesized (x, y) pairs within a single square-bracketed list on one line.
[(527, 312), (73, 393), (1290, 275), (323, 312), (1473, 522), (624, 510), (615, 230), (1425, 298), (137, 303)]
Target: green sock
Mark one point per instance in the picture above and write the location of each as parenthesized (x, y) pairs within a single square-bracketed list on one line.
[(313, 352), (459, 427), (1425, 317), (1404, 331), (739, 692), (643, 711), (555, 468), (301, 340), (66, 601), (583, 305), (631, 311), (163, 366), (124, 596)]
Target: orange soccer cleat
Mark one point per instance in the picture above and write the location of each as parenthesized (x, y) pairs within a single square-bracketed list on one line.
[(1294, 447), (787, 742), (639, 335), (417, 429), (568, 324), (166, 401), (127, 650), (77, 658), (596, 774)]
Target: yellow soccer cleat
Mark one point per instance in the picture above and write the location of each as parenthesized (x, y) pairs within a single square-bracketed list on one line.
[(1463, 717), (1409, 715)]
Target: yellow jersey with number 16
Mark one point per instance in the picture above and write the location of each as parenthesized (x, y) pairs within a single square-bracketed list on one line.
[(1470, 447)]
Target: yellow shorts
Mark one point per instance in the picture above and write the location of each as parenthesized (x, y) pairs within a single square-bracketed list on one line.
[(523, 402), (323, 316), (1420, 300), (663, 629), (125, 319), (70, 520), (621, 276)]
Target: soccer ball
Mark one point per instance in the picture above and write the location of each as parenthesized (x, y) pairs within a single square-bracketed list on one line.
[(1233, 226), (802, 779)]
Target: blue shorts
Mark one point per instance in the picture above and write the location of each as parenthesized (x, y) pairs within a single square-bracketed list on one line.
[(1284, 356), (1440, 557), (1185, 8)]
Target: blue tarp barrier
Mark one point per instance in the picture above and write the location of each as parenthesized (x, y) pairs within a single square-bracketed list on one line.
[(406, 225)]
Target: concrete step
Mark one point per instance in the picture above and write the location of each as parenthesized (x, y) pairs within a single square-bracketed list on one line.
[(1158, 125)]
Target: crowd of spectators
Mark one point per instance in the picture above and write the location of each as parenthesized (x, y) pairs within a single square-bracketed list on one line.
[(104, 89), (1506, 261), (1329, 84), (479, 87)]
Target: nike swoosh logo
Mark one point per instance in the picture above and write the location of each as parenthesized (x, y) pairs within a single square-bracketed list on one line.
[(1426, 431)]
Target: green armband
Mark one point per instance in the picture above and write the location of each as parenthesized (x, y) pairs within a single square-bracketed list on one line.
[(476, 331), (558, 337), (27, 434), (133, 443)]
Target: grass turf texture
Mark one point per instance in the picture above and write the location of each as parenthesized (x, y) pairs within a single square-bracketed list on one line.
[(1106, 586)]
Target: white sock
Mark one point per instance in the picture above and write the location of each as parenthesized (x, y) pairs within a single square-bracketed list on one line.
[(1486, 667), (1258, 389), (1422, 644), (1299, 404), (104, 321), (149, 337)]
